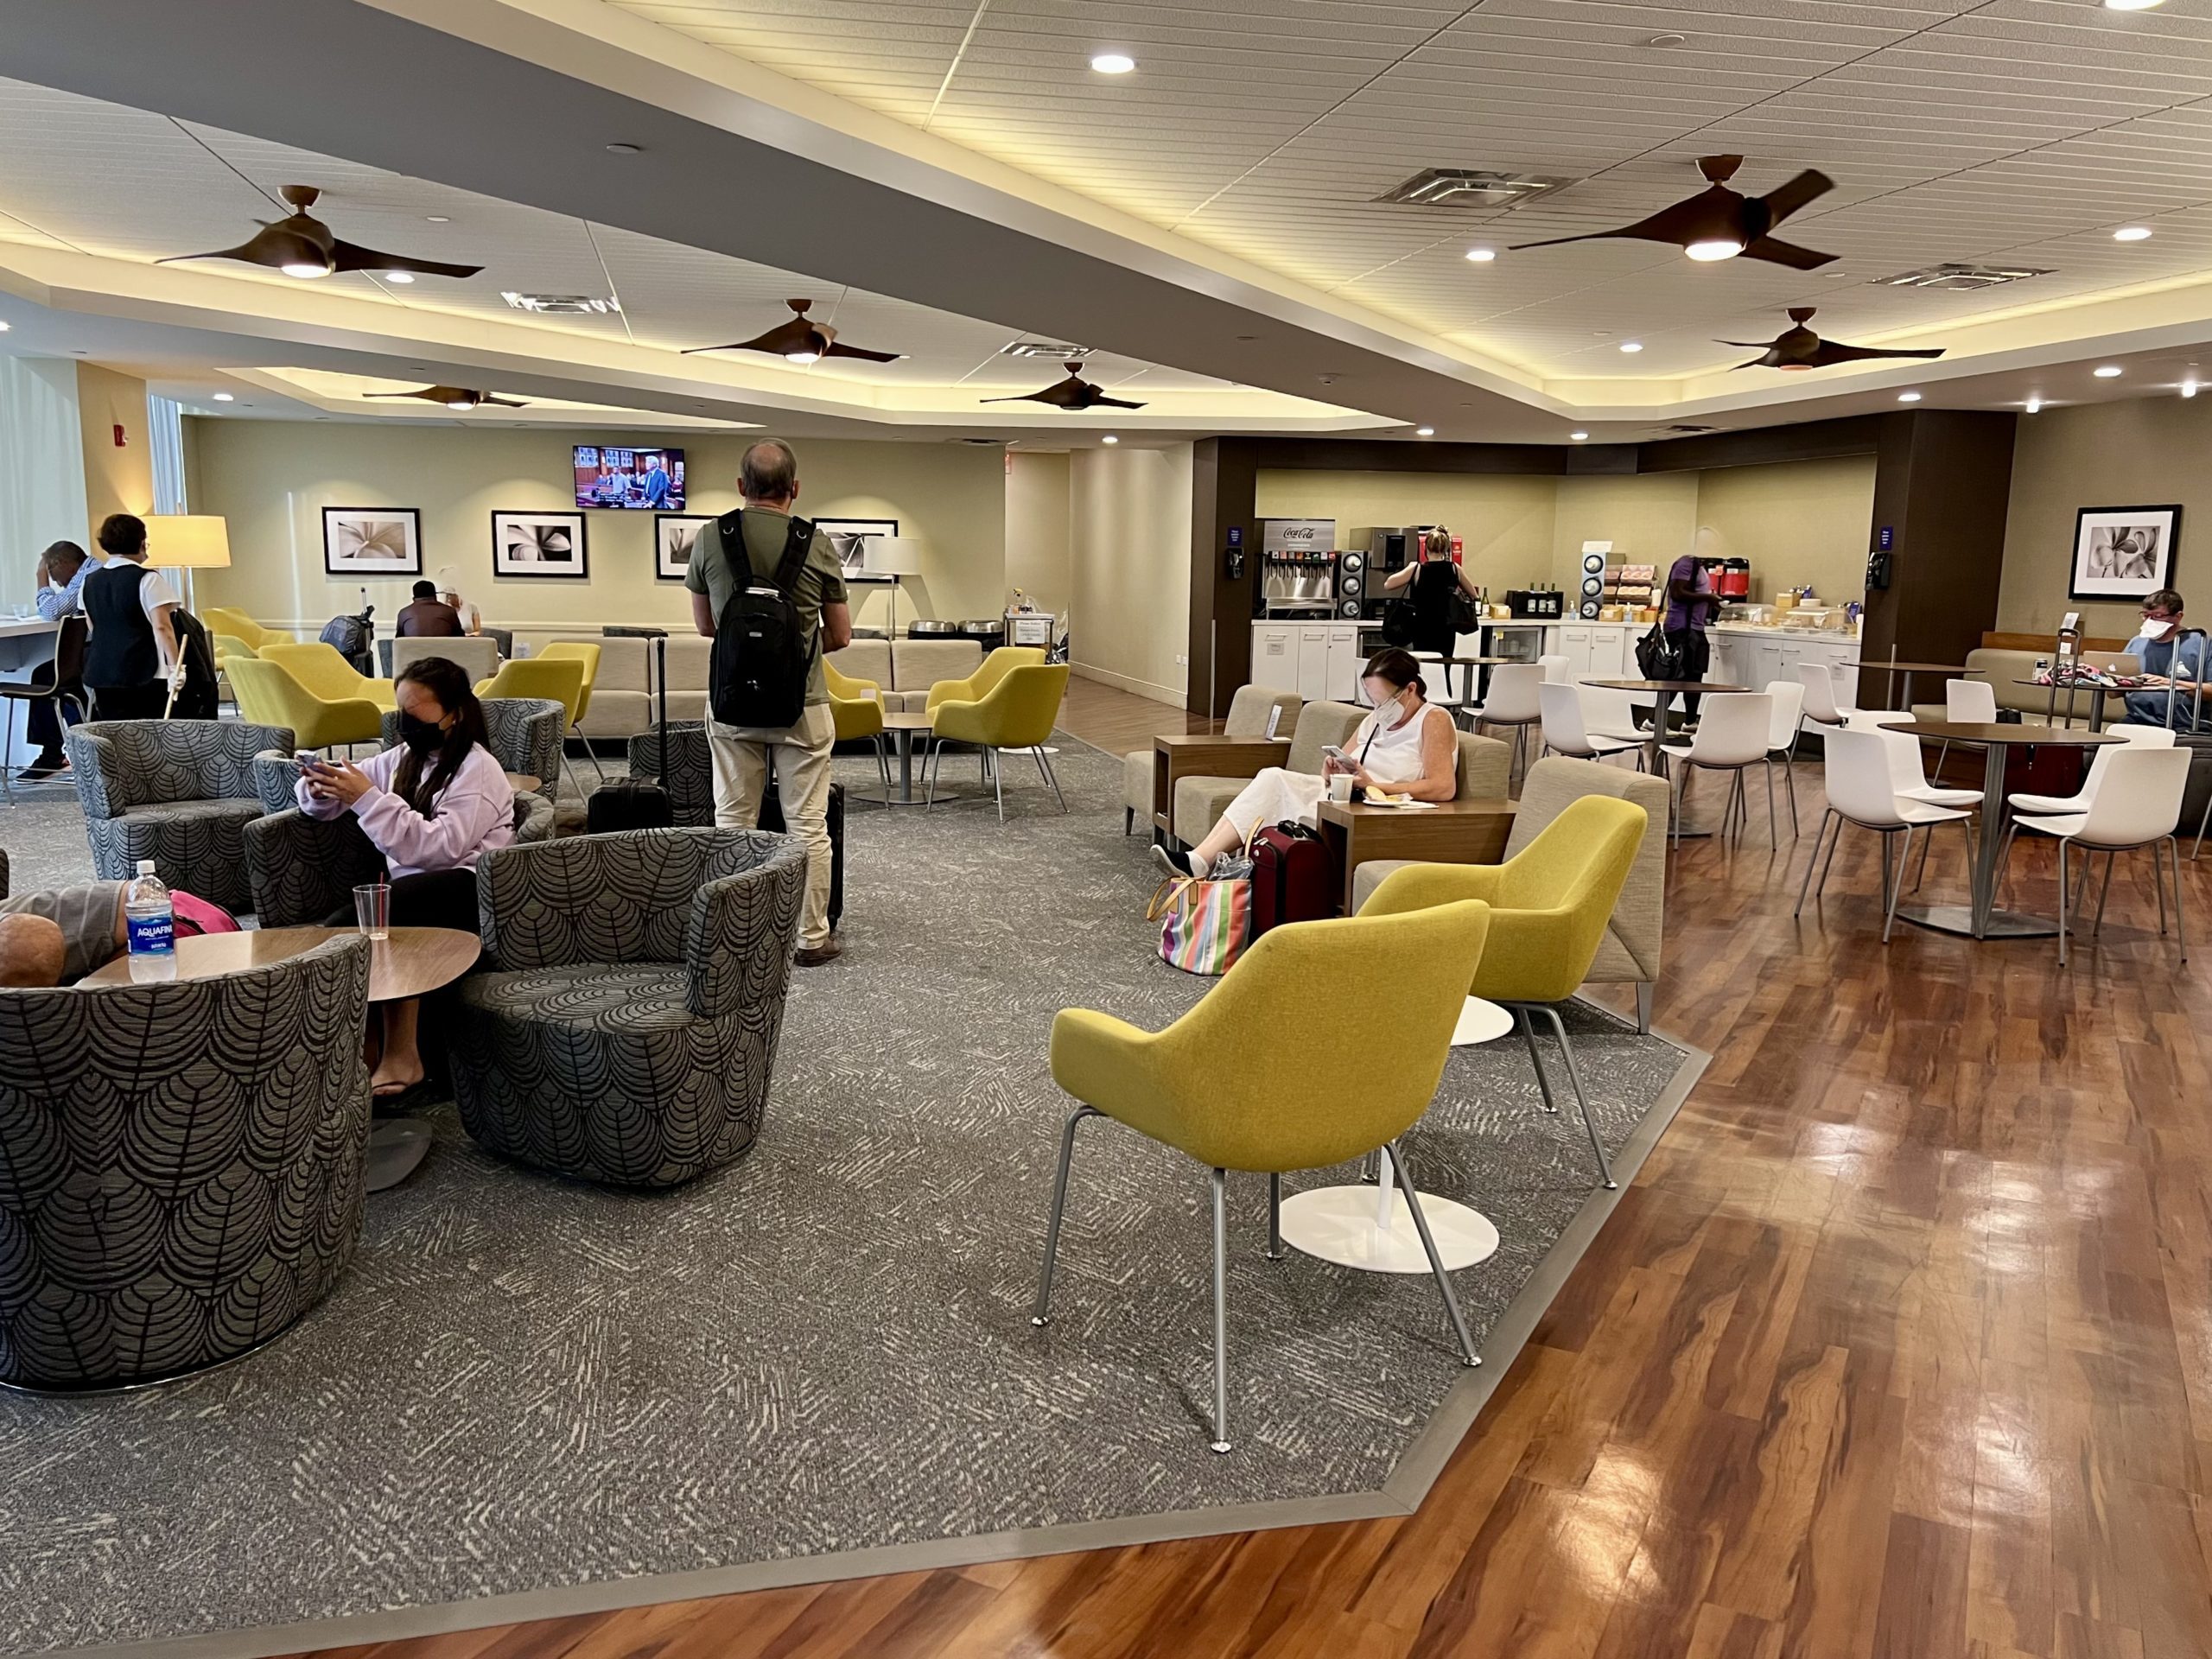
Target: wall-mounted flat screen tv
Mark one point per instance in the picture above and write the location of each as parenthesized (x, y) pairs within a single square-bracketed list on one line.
[(608, 477)]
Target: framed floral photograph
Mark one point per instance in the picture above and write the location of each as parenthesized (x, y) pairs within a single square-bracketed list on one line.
[(371, 541), (674, 534), (2123, 553), (540, 545)]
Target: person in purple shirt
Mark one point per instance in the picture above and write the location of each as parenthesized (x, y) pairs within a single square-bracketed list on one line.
[(432, 806), (1690, 603)]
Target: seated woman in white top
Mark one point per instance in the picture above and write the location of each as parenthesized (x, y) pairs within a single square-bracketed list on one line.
[(1407, 747), (431, 805)]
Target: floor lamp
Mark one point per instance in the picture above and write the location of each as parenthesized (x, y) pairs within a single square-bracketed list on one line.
[(188, 542), (897, 557)]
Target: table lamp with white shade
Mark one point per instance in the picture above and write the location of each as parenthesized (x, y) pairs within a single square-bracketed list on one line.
[(188, 542), (897, 557)]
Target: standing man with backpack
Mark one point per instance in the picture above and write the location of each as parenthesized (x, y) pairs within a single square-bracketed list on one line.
[(766, 587)]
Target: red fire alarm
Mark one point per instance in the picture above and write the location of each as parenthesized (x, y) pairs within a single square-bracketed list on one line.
[(121, 441)]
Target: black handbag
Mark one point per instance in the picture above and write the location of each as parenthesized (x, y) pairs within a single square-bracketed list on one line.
[(1464, 619), (1657, 657), (1398, 622)]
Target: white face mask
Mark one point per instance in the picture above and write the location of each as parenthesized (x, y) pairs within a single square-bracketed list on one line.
[(2156, 630), (1386, 701)]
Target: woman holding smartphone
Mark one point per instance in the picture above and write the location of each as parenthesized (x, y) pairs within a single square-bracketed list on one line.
[(1408, 745), (431, 806)]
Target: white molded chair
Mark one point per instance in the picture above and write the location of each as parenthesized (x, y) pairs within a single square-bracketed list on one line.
[(1862, 790), (1513, 701), (1821, 704), (2147, 737), (1968, 702), (1782, 736), (1439, 689), (1554, 667), (1564, 732), (2137, 804), (1607, 712), (1733, 733)]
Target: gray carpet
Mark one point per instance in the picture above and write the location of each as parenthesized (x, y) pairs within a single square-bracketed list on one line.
[(524, 1383)]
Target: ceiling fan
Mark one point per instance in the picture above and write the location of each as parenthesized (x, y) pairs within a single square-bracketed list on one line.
[(1799, 347), (302, 245), (1719, 223), (800, 340), (453, 397), (1073, 393)]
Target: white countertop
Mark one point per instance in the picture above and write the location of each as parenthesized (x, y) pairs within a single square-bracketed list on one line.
[(15, 626), (1754, 632)]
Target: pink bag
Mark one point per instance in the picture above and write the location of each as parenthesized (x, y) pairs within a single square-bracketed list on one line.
[(195, 916), (1204, 926)]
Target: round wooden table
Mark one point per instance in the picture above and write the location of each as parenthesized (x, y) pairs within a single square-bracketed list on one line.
[(1662, 693), (410, 961), (524, 783), (1983, 919)]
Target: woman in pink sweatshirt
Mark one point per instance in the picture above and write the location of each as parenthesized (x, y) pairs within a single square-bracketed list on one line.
[(431, 805)]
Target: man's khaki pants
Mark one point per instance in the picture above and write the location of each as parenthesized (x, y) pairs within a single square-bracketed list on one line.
[(740, 757)]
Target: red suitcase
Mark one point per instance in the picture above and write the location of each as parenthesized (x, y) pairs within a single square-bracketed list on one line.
[(1290, 877)]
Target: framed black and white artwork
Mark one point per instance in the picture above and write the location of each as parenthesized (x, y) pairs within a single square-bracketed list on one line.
[(2123, 553), (674, 534), (371, 541), (541, 544), (851, 537)]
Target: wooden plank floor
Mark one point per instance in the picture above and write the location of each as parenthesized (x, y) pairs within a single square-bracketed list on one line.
[(1900, 1346)]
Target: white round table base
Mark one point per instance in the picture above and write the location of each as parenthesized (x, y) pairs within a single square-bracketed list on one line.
[(1338, 1223), (1481, 1022)]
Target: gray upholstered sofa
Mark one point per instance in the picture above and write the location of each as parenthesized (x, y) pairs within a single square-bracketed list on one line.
[(476, 654), (1629, 952), (628, 1031), (1248, 713), (178, 791), (2004, 668), (183, 1166), (904, 670), (622, 699)]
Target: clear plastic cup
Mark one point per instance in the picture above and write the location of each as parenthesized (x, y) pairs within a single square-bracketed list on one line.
[(373, 909)]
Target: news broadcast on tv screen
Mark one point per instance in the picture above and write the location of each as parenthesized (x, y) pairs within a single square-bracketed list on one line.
[(607, 477)]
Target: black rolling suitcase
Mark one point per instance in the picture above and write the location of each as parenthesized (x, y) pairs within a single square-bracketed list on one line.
[(634, 804), (772, 818)]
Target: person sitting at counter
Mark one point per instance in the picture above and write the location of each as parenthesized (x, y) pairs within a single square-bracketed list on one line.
[(1434, 578), (2170, 655), (61, 572), (429, 617), (1407, 746)]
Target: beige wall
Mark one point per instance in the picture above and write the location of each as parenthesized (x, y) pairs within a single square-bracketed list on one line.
[(2148, 451), (116, 479), (272, 478), (1037, 525), (1505, 524), (1129, 547), (1797, 522), (1649, 519)]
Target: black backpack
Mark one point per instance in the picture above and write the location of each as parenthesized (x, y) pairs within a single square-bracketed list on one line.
[(763, 648)]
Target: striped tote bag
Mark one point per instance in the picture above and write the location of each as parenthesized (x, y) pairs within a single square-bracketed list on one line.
[(1204, 926)]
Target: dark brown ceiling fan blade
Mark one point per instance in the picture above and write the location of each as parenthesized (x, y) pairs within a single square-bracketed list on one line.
[(758, 343), (1766, 362), (450, 396), (1766, 343), (1024, 398), (1786, 199), (273, 246), (1835, 350), (1776, 252), (837, 348), (507, 402), (1111, 402), (350, 256)]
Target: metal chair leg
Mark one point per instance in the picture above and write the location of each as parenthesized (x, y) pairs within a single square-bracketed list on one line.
[(2062, 901), (998, 785), (1043, 1314), (1773, 833), (1895, 884), (1045, 766), (1940, 754), (930, 763), (1834, 841), (2157, 883), (1221, 1310), (1926, 842), (1644, 992), (1819, 835), (1536, 1056), (1435, 1261), (1275, 1217), (883, 768), (1789, 786), (2104, 892), (1581, 1101)]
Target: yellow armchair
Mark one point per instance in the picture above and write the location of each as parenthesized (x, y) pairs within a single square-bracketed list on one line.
[(267, 694), (843, 689), (1234, 1085), (857, 709), (995, 668), (1016, 713), (1548, 907), (324, 671), (223, 619), (586, 653), (556, 679)]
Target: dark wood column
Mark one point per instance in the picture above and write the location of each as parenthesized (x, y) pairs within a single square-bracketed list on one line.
[(1942, 478), (1223, 477)]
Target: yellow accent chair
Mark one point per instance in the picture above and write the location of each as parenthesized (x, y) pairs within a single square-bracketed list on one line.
[(324, 671), (584, 651), (557, 679), (1018, 712), (223, 619), (1550, 905), (269, 694), (1236, 1086), (857, 706), (978, 685)]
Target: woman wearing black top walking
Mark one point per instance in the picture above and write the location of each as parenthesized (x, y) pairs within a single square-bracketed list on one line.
[(1434, 579), (132, 650)]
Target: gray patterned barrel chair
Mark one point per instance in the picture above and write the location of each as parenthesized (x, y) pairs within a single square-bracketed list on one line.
[(628, 1031), (178, 791), (301, 869), (525, 733), (682, 770), (181, 1167)]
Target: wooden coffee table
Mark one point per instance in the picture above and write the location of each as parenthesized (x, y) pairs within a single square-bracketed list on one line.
[(410, 961)]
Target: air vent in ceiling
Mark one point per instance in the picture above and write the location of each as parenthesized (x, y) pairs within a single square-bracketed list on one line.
[(1043, 348), (564, 305), (1685, 427), (986, 443), (1460, 187), (1955, 278)]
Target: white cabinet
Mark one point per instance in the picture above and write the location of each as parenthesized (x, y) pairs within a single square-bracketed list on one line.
[(1315, 660), (1274, 656), (1594, 651), (1345, 661)]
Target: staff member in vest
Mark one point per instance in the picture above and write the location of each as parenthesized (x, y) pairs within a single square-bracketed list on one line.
[(721, 565), (133, 652)]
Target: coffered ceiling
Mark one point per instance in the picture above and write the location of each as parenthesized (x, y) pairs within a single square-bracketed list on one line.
[(943, 175)]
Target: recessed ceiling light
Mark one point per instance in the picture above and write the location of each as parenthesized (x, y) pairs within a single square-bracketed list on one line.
[(2132, 5), (2107, 370), (403, 277), (1424, 431), (619, 149), (2188, 387), (5, 327), (2131, 233), (1717, 248), (437, 219), (1632, 347), (225, 398), (1578, 436), (1113, 63), (1482, 256), (1109, 438), (1664, 41), (2034, 403), (1908, 397)]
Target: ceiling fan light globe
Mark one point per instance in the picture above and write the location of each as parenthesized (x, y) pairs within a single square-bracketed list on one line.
[(1795, 368), (305, 273), (1710, 250), (803, 356), (399, 277), (461, 403)]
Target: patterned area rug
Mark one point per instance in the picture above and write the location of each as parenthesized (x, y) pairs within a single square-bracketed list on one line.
[(524, 1383)]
